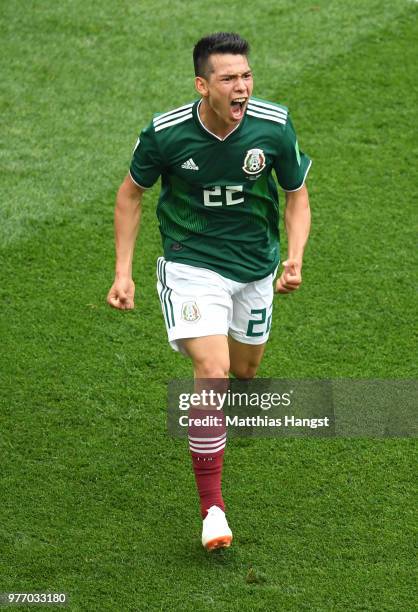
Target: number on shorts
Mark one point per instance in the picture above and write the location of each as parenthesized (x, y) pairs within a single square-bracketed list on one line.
[(261, 312), (261, 320)]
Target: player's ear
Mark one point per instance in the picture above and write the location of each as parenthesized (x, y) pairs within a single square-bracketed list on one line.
[(201, 86)]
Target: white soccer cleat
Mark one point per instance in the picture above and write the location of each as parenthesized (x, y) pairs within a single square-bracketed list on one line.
[(216, 532)]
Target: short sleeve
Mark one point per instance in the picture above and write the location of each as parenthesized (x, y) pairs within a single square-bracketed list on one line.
[(146, 164), (291, 165)]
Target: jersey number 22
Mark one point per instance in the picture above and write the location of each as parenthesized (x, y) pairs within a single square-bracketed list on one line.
[(217, 196)]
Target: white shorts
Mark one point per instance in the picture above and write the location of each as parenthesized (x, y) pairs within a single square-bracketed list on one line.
[(199, 302)]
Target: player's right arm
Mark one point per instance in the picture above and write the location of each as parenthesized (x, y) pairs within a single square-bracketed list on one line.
[(127, 220), (146, 167)]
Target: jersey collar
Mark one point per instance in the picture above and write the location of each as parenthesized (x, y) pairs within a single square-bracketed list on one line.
[(197, 106)]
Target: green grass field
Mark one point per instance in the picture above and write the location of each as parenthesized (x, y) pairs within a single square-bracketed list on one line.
[(96, 499)]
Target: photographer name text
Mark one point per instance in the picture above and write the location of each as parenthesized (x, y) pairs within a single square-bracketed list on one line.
[(254, 421)]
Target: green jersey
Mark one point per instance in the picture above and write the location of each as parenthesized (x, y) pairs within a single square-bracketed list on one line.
[(219, 206)]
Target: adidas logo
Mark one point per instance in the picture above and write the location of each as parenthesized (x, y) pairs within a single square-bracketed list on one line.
[(189, 165)]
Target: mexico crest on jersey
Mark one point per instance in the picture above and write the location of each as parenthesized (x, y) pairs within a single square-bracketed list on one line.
[(190, 312), (254, 162)]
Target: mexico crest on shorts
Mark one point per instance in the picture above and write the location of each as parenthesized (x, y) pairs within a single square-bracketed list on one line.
[(254, 162), (190, 312)]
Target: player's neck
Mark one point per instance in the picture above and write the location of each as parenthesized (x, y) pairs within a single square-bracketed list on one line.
[(213, 122)]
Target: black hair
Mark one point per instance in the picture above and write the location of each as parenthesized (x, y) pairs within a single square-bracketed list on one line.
[(220, 42)]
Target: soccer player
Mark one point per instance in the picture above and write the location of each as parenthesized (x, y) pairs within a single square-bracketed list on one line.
[(218, 216)]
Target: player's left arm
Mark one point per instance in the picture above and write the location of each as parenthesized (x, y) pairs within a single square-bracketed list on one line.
[(298, 223)]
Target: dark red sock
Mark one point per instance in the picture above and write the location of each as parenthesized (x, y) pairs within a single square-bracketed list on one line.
[(207, 443), (208, 474)]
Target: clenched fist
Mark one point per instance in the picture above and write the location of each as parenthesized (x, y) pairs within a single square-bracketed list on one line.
[(291, 277), (121, 294)]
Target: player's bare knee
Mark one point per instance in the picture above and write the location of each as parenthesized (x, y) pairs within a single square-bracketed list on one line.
[(209, 368), (245, 371)]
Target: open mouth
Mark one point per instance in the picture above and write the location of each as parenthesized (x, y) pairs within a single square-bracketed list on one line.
[(238, 103), (237, 107)]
